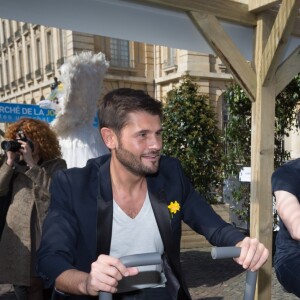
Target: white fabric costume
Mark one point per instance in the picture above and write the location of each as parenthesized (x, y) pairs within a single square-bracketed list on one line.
[(82, 79)]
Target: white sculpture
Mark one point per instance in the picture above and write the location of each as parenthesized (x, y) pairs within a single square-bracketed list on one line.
[(82, 78)]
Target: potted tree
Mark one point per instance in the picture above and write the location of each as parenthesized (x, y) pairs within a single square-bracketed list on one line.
[(191, 133)]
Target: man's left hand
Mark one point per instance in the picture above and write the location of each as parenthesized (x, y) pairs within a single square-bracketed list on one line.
[(253, 254)]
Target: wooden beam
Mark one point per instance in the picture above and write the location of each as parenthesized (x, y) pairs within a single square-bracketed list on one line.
[(226, 50), (287, 70), (262, 162), (296, 29), (262, 167), (278, 39), (260, 5), (229, 10)]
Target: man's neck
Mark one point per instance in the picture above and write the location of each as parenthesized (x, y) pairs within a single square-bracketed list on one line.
[(129, 190)]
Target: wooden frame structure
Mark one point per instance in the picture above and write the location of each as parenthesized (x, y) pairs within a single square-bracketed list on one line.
[(263, 79), (274, 23)]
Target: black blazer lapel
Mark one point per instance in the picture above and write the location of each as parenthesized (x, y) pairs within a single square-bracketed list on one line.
[(104, 209), (162, 216), (171, 257)]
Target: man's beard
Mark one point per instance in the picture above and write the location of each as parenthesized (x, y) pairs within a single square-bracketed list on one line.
[(133, 164)]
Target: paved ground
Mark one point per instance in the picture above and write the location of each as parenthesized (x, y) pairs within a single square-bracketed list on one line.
[(220, 279), (207, 279)]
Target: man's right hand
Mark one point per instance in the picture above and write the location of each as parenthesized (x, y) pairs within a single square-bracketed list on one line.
[(105, 274)]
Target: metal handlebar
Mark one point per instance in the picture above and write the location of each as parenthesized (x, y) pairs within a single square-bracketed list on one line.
[(216, 253), (134, 260), (230, 252)]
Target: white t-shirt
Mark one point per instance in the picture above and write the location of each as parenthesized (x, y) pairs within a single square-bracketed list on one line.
[(137, 236)]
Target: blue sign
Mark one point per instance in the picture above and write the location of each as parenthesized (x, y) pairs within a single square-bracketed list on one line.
[(12, 112)]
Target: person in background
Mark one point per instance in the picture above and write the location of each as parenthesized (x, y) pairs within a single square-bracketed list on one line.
[(32, 156), (55, 84), (128, 202), (286, 189)]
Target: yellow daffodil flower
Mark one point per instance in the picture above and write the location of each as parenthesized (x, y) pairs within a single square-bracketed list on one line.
[(174, 207)]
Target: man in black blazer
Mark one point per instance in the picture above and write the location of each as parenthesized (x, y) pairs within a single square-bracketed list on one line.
[(128, 202)]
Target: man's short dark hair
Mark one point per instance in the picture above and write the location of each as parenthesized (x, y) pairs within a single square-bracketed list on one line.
[(117, 104)]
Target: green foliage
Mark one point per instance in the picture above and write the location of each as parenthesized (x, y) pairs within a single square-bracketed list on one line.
[(191, 134), (237, 130), (238, 133), (241, 196)]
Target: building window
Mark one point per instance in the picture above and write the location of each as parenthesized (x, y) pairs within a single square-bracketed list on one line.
[(3, 32), (38, 54), (1, 77), (13, 63), (25, 28), (21, 64), (61, 43), (49, 48), (170, 58), (7, 71), (29, 60), (119, 52), (18, 26), (11, 32), (18, 31)]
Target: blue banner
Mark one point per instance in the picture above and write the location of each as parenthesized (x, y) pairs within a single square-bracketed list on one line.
[(12, 112)]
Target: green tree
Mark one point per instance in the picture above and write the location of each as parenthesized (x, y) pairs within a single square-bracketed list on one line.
[(191, 134), (238, 134)]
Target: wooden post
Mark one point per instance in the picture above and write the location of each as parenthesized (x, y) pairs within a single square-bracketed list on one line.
[(262, 162)]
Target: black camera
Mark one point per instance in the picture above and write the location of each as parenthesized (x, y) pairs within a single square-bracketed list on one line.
[(14, 145)]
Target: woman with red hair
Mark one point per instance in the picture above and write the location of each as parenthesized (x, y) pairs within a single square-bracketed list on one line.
[(32, 156)]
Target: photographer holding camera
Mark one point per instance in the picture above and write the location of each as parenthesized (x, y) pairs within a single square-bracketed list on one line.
[(32, 156)]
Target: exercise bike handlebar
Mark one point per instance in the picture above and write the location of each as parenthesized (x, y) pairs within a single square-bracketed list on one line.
[(216, 253), (231, 252), (135, 260)]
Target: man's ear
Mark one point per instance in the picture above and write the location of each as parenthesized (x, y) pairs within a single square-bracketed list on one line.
[(108, 137)]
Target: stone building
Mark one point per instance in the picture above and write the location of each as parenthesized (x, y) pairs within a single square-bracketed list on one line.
[(31, 55)]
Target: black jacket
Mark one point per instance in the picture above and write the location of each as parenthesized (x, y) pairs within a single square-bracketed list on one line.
[(70, 236)]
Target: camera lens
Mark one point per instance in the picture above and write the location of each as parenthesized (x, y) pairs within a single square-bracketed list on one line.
[(10, 146)]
